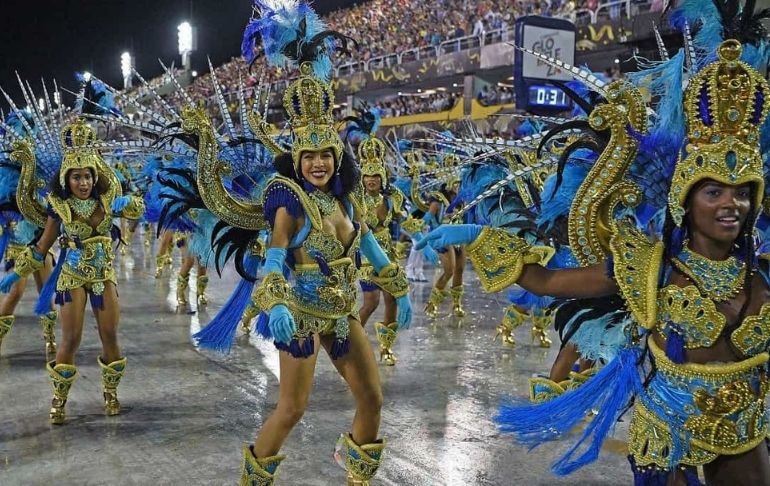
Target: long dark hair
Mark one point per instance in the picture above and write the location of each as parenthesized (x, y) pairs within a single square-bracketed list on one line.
[(674, 237), (346, 177), (101, 186)]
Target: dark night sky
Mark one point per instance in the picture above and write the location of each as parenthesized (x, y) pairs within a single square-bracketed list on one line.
[(56, 38)]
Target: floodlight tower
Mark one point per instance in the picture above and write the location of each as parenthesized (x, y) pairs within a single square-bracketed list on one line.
[(126, 67), (186, 40)]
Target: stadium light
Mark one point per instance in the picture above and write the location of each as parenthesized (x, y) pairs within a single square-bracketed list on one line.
[(86, 76), (185, 41), (126, 63)]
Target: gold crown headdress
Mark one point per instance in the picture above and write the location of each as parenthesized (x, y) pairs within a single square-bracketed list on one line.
[(77, 140), (309, 102), (371, 155), (725, 106)]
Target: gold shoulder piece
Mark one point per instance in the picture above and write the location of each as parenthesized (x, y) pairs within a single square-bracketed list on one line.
[(135, 208), (211, 172), (262, 131), (28, 185), (499, 257), (60, 207), (311, 209), (398, 198), (637, 267), (414, 173), (356, 198), (590, 221)]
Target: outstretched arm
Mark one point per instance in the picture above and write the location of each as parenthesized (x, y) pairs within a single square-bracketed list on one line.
[(574, 283)]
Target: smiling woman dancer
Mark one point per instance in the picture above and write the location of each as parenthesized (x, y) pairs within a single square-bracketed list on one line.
[(695, 353), (84, 197)]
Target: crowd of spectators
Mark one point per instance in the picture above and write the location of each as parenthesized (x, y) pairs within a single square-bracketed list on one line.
[(414, 105)]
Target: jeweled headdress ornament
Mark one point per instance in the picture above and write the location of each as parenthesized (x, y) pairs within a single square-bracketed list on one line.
[(371, 150), (293, 36), (725, 106), (77, 140)]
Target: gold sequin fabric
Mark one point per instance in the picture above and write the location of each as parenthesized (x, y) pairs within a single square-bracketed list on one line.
[(93, 268)]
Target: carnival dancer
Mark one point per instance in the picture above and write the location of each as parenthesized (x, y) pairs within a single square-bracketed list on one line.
[(695, 352), (315, 212), (384, 209), (84, 197)]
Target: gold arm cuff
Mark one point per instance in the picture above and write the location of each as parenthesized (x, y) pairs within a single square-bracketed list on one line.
[(134, 209), (25, 264), (272, 291), (391, 279), (499, 257)]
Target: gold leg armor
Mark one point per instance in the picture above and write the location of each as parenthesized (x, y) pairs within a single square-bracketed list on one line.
[(437, 297), (360, 461), (512, 319), (182, 284), (258, 472), (161, 262), (249, 314), (147, 236), (6, 323), (201, 282), (540, 325), (48, 321), (62, 377), (111, 375), (128, 239), (386, 336), (457, 301)]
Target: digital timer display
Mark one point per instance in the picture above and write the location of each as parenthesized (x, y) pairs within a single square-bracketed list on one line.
[(548, 96)]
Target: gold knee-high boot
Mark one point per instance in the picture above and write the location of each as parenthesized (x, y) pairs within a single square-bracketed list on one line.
[(62, 377), (249, 314), (127, 242), (162, 261), (182, 284), (437, 297), (386, 336), (147, 236), (512, 319), (360, 461), (541, 321), (256, 471), (48, 321), (201, 282), (111, 375), (457, 300), (6, 323)]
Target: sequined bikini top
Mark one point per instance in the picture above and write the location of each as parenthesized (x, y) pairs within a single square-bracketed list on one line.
[(75, 227), (394, 203), (684, 310)]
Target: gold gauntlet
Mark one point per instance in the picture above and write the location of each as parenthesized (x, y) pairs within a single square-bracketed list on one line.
[(272, 291), (392, 279), (499, 257), (134, 209), (25, 263)]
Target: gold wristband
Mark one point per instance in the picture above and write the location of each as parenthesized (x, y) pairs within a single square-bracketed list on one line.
[(273, 290), (25, 264), (499, 257), (392, 279)]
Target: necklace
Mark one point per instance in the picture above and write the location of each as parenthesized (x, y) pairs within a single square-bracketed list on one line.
[(326, 202), (719, 280), (373, 202), (82, 207)]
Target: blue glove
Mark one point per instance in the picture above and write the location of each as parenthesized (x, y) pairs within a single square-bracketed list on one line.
[(373, 252), (430, 255), (274, 260), (7, 282), (449, 235), (281, 323), (404, 317), (120, 203)]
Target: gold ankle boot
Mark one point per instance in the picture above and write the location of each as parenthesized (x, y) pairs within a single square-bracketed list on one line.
[(543, 389), (182, 284), (360, 461), (48, 321), (249, 314), (201, 282), (258, 472), (512, 319), (457, 301), (111, 375), (541, 321), (62, 377), (6, 323), (386, 336), (437, 297)]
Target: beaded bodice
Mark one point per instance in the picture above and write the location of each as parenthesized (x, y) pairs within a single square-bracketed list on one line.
[(77, 228)]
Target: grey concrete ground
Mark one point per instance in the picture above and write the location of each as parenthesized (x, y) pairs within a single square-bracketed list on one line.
[(187, 413)]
